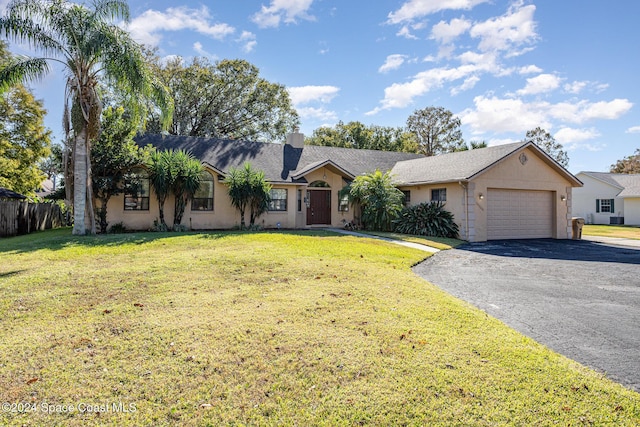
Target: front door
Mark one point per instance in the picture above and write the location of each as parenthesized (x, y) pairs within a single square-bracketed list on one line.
[(319, 210)]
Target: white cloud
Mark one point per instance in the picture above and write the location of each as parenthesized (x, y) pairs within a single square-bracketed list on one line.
[(401, 95), (3, 6), (568, 135), (469, 83), (540, 84), (317, 114), (634, 129), (530, 69), (504, 33), (493, 114), (583, 111), (406, 33), (248, 41), (413, 9), (445, 32), (504, 115), (147, 28), (306, 94), (197, 46), (393, 62), (282, 10), (575, 87), (578, 86)]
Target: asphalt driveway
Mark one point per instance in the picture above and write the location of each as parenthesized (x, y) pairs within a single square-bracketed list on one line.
[(579, 298)]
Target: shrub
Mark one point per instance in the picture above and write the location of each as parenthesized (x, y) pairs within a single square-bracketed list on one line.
[(117, 228), (426, 219), (379, 200)]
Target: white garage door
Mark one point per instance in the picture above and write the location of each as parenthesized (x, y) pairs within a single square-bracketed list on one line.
[(519, 214)]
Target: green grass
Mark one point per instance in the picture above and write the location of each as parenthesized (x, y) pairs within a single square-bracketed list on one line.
[(307, 328), (624, 231), (441, 243)]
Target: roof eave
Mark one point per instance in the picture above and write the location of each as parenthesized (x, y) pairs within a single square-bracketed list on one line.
[(602, 180)]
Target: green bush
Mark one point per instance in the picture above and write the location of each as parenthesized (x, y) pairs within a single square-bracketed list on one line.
[(426, 219), (118, 228)]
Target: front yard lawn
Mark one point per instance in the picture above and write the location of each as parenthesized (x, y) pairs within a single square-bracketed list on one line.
[(624, 231), (287, 328)]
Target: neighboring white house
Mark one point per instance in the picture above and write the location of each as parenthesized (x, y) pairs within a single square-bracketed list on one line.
[(607, 198)]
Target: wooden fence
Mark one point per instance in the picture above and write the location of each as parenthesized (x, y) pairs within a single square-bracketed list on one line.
[(18, 217)]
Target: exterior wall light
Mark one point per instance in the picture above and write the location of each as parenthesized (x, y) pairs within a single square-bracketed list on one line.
[(563, 198), (481, 196)]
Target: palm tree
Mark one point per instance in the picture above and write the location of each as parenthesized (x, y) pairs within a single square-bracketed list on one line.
[(91, 48), (239, 190), (160, 179), (188, 174)]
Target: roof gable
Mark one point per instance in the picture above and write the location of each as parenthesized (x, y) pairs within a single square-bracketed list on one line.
[(628, 184), (467, 165)]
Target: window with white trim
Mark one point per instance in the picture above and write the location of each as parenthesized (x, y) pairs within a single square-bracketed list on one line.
[(343, 203), (278, 199), (604, 206)]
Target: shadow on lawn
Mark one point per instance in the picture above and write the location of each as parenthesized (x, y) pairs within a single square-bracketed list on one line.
[(569, 250), (62, 238)]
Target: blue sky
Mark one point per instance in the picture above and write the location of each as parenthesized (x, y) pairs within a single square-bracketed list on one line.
[(503, 67)]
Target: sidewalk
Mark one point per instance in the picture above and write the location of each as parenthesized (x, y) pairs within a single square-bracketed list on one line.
[(386, 239), (615, 241)]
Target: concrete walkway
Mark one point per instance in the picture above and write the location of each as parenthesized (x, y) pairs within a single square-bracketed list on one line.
[(386, 239), (614, 241)]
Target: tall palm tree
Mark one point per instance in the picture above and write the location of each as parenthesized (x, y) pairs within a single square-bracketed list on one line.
[(91, 48)]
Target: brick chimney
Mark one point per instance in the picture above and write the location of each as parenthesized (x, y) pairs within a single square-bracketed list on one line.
[(296, 139)]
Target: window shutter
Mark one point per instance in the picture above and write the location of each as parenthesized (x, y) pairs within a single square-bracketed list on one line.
[(597, 205), (612, 208)]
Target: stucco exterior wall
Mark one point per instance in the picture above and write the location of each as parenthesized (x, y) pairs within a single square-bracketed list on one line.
[(225, 216), (512, 174), (336, 183), (584, 201), (454, 204)]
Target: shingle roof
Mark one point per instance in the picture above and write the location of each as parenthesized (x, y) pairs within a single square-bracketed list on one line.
[(8, 194), (280, 162), (629, 184), (286, 163), (451, 167)]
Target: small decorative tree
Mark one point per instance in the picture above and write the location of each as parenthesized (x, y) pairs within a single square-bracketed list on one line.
[(177, 172), (248, 188), (187, 171), (379, 200), (114, 154)]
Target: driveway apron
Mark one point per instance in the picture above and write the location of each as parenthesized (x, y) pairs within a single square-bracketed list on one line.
[(579, 298)]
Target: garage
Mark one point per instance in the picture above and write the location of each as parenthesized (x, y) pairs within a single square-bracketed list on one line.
[(519, 214)]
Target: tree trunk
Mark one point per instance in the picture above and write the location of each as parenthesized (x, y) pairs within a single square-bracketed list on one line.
[(180, 205), (79, 183), (90, 213), (103, 214)]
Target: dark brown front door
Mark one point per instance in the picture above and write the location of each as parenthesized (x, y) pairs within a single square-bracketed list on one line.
[(319, 210)]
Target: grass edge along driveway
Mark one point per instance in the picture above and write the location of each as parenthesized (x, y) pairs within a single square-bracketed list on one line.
[(620, 231), (287, 328)]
